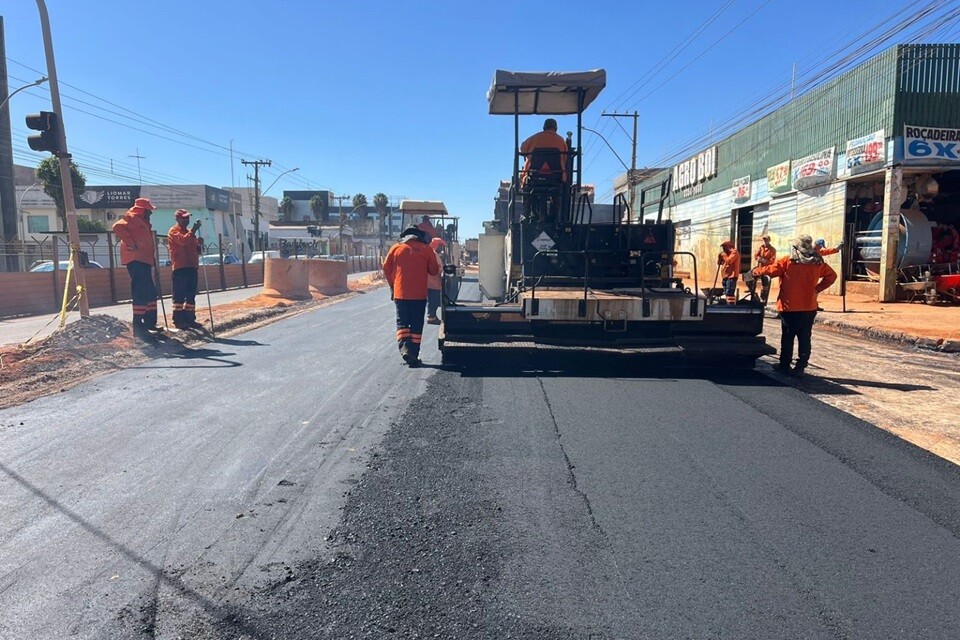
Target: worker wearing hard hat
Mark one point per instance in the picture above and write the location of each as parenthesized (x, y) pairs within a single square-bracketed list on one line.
[(408, 265), (435, 284), (185, 248), (765, 255), (137, 253), (729, 263), (803, 274)]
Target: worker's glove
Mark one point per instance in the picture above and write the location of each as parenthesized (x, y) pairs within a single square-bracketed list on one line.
[(196, 225)]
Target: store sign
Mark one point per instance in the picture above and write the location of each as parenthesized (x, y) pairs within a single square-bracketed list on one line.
[(866, 153), (218, 199), (694, 172), (108, 197), (813, 170), (741, 189), (931, 145), (778, 178)]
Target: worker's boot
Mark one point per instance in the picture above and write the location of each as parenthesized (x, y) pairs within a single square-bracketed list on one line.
[(433, 320)]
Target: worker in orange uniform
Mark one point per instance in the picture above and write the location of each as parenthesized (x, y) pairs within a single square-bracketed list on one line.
[(729, 262), (408, 265), (137, 253), (435, 284), (546, 139), (802, 276), (185, 249), (765, 255), (821, 245)]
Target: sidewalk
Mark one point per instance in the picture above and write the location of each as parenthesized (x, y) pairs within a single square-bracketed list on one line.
[(931, 327), (19, 330)]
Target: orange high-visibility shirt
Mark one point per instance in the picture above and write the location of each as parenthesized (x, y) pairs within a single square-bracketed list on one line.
[(136, 238), (828, 252), (765, 255), (407, 267), (799, 283), (730, 264), (184, 248), (544, 140)]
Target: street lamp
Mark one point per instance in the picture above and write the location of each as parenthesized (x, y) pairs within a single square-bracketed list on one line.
[(35, 83), (264, 192)]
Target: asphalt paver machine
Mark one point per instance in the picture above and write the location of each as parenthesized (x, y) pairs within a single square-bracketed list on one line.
[(432, 217), (556, 280)]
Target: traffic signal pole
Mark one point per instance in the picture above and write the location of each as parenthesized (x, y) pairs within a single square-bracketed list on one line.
[(66, 177)]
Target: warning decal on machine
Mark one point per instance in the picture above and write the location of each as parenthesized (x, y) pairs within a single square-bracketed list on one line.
[(543, 242)]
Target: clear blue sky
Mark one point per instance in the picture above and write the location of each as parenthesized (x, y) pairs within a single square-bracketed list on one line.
[(390, 96)]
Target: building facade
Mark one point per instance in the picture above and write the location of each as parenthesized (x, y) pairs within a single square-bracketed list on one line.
[(869, 160)]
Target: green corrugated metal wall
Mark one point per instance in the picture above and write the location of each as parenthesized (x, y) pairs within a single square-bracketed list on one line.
[(906, 84)]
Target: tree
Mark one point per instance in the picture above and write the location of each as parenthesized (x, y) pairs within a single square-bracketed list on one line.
[(90, 226), (318, 206), (286, 208), (381, 205), (48, 173), (360, 204)]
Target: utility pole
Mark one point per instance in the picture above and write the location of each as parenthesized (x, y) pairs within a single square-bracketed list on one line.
[(66, 177), (256, 197), (341, 219), (632, 176), (139, 158), (8, 193)]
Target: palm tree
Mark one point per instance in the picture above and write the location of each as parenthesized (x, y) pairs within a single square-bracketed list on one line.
[(318, 206), (286, 207), (360, 204)]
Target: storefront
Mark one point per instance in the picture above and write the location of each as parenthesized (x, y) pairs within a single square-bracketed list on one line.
[(869, 161)]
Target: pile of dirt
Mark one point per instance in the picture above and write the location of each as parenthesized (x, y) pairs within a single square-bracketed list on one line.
[(95, 329), (367, 282)]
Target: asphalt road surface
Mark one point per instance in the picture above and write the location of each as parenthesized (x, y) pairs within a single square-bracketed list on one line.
[(299, 482)]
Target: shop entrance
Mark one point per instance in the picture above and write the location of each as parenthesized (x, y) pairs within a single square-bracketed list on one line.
[(742, 233)]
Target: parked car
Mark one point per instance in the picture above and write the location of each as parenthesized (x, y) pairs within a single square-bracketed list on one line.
[(45, 266), (260, 256), (214, 258)]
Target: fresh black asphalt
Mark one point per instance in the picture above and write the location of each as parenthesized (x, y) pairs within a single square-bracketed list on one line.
[(302, 483)]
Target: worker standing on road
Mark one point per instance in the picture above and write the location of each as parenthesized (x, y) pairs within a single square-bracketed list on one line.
[(802, 276), (185, 249), (822, 248), (408, 265), (137, 253), (765, 255), (729, 262), (435, 284)]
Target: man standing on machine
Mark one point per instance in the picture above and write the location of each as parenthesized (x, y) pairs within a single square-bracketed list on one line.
[(729, 263)]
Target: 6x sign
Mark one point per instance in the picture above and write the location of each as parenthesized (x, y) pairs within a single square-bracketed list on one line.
[(935, 145)]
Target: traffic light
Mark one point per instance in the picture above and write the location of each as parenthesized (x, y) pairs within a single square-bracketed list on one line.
[(48, 124)]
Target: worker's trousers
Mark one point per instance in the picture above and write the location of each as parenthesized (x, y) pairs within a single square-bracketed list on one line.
[(730, 290), (144, 293), (433, 302), (799, 325), (410, 325), (185, 297)]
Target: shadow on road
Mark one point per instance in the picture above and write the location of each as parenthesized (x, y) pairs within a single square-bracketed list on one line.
[(230, 616), (239, 343), (173, 350), (840, 386)]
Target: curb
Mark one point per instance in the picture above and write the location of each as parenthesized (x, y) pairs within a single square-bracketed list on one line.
[(941, 345)]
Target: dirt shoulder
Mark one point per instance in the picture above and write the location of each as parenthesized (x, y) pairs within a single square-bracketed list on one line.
[(100, 344)]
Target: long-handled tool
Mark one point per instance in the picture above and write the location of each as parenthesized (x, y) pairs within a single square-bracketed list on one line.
[(714, 287), (163, 307), (206, 286)]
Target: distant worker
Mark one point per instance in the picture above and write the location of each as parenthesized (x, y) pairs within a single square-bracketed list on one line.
[(137, 253), (765, 255), (802, 276), (822, 248), (548, 139), (408, 265), (435, 284), (427, 227), (729, 262), (185, 249)]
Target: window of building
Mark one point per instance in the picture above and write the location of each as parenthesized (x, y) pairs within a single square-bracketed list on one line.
[(38, 224)]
